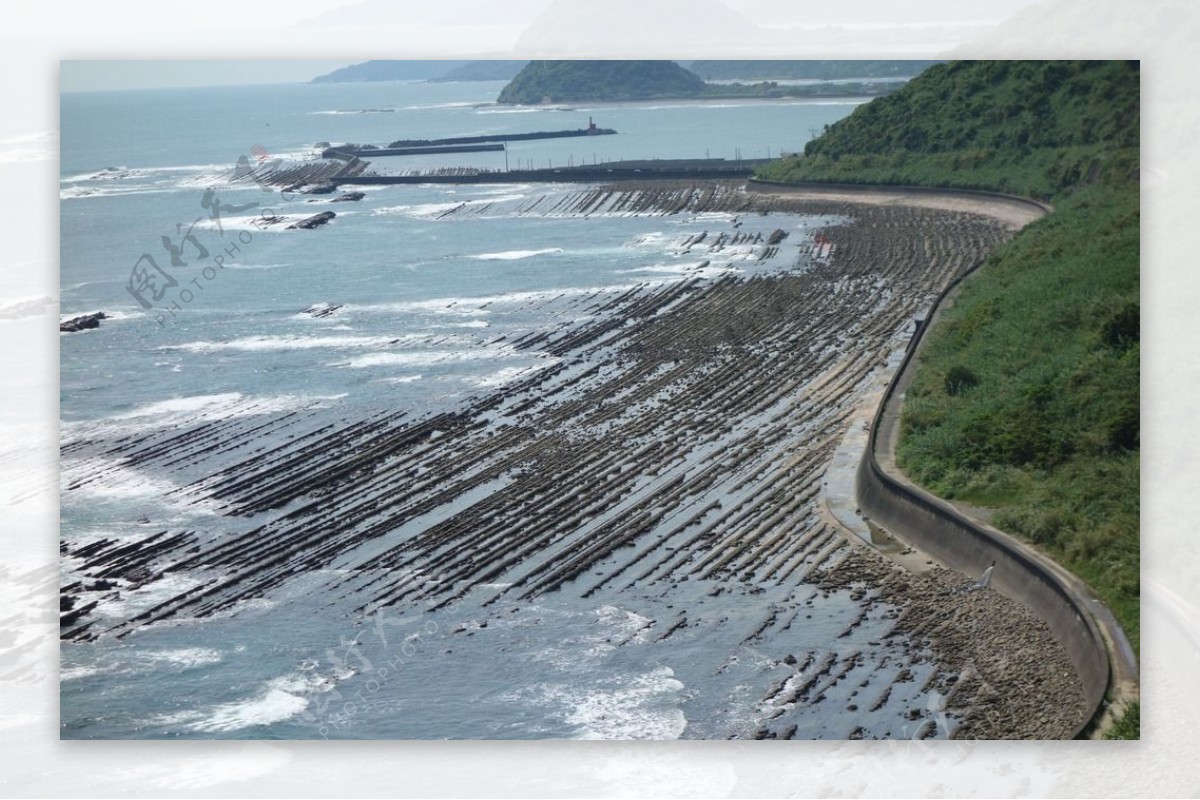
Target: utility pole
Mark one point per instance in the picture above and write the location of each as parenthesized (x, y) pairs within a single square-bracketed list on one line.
[(506, 156)]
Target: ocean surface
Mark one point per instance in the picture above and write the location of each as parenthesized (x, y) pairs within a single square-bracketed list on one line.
[(396, 305)]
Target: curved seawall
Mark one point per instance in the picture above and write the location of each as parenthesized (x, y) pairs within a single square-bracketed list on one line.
[(1094, 641)]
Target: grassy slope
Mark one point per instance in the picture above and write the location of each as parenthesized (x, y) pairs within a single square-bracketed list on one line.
[(1027, 397), (1048, 435)]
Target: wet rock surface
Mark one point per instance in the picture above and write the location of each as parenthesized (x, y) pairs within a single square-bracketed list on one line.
[(1001, 671)]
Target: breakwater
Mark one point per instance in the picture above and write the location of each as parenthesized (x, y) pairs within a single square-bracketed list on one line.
[(615, 171), (419, 150), (487, 138)]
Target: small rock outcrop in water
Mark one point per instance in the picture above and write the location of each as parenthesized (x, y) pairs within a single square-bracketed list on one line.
[(319, 311), (315, 221), (83, 323), (348, 197)]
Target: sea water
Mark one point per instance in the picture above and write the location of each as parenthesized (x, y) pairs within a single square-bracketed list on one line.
[(425, 303)]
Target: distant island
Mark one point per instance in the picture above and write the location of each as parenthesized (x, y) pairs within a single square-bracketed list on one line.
[(432, 71), (542, 82), (570, 81)]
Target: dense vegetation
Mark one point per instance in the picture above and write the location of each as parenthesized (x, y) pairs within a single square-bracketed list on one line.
[(814, 70), (1026, 403), (1027, 396), (1028, 127), (567, 81)]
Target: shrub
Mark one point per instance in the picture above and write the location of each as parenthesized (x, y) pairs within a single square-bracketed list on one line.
[(959, 379)]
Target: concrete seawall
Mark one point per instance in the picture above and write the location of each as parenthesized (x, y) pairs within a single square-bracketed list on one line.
[(1090, 634), (821, 187)]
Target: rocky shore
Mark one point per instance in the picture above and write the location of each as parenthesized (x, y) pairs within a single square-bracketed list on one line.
[(1000, 670), (667, 454)]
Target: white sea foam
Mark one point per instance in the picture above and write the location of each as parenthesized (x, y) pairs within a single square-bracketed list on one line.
[(506, 189), (110, 479), (421, 210), (282, 699), (508, 375), (78, 192), (75, 673), (124, 173), (193, 409), (445, 305), (435, 210), (499, 198), (456, 104), (202, 403), (516, 255), (427, 358), (183, 658), (689, 269), (602, 702), (474, 306), (652, 239), (521, 109), (342, 112), (139, 662), (642, 707), (250, 222), (279, 343)]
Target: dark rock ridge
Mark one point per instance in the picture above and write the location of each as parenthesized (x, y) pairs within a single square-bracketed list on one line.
[(315, 221), (83, 323)]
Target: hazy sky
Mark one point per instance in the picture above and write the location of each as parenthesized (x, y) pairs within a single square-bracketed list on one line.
[(86, 76)]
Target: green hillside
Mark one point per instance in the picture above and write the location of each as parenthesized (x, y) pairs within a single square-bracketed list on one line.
[(1026, 399), (571, 81), (1027, 127)]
